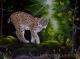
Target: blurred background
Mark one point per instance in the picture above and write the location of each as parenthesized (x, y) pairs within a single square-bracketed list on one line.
[(62, 32)]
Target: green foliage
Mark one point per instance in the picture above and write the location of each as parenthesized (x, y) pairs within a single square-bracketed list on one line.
[(37, 8), (6, 40), (57, 34), (63, 15), (59, 28)]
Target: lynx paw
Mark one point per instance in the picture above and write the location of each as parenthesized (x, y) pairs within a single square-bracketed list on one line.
[(32, 41), (38, 42), (26, 41), (35, 42)]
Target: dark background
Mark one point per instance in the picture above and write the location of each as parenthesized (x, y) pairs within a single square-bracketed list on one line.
[(18, 5)]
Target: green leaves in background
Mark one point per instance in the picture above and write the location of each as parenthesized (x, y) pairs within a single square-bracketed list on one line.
[(60, 20), (7, 40), (59, 27)]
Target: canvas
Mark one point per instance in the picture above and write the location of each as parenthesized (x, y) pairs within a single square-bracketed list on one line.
[(39, 29)]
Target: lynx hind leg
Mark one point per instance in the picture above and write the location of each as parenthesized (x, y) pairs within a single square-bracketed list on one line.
[(20, 35), (35, 38)]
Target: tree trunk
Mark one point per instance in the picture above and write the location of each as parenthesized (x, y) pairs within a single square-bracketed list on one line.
[(1, 27)]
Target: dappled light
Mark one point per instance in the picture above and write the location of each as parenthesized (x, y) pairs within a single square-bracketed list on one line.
[(58, 23)]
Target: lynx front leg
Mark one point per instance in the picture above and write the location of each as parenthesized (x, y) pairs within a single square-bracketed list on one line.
[(35, 38), (32, 39), (20, 35)]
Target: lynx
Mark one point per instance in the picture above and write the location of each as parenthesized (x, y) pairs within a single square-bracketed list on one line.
[(24, 21)]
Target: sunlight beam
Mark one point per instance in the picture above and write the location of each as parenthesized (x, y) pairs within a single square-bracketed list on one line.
[(49, 3), (54, 23)]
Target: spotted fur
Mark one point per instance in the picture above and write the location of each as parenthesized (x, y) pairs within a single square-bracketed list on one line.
[(24, 21)]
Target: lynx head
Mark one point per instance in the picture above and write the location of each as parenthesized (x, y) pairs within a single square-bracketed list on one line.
[(42, 22)]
